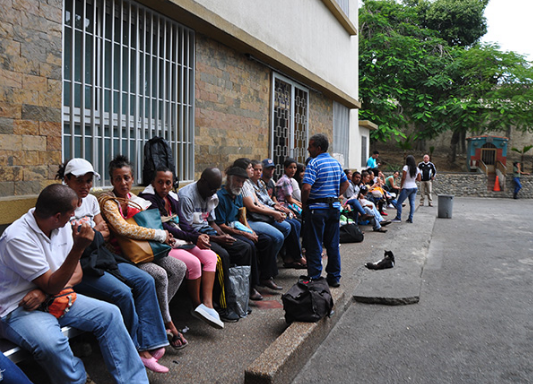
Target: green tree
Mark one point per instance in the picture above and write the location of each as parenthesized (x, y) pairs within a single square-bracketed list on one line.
[(436, 80), (460, 22)]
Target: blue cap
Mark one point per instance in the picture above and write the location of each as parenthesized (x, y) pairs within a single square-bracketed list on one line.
[(267, 163)]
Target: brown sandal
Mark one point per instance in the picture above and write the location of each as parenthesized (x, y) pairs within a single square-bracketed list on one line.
[(177, 341)]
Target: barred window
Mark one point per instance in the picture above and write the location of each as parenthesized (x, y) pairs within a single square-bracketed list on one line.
[(290, 111), (128, 75), (341, 131)]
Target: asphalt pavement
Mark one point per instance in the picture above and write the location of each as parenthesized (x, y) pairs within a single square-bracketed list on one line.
[(472, 323), (456, 309)]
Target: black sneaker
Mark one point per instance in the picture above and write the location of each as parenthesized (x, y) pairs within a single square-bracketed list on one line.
[(333, 282), (228, 316)]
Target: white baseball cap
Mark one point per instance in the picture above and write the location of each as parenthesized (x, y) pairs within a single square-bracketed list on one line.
[(80, 167)]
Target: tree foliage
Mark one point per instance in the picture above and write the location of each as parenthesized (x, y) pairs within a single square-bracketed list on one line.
[(421, 66)]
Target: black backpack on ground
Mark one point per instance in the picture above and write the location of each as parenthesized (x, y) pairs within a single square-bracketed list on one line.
[(157, 153), (307, 300), (350, 233)]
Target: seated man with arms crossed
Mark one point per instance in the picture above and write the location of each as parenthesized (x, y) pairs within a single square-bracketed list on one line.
[(39, 256)]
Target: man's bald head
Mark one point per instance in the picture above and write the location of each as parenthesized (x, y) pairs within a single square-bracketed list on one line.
[(209, 182)]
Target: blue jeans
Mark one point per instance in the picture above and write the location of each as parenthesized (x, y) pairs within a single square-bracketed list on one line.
[(404, 194), (321, 226), (40, 333), (137, 300), (10, 373), (276, 236), (517, 185), (292, 242), (356, 207)]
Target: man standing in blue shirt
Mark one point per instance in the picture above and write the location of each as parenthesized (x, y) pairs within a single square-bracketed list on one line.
[(372, 161), (323, 183)]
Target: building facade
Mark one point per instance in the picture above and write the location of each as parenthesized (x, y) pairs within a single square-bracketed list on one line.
[(218, 79)]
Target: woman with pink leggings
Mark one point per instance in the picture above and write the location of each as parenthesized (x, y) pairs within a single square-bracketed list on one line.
[(191, 247)]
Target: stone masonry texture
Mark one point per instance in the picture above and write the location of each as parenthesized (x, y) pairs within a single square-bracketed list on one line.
[(233, 107), (30, 94), (232, 99)]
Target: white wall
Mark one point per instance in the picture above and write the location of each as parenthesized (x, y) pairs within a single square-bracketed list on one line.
[(354, 161), (303, 30)]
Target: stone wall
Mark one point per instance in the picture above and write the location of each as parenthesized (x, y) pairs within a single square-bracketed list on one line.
[(30, 94), (233, 107), (475, 185)]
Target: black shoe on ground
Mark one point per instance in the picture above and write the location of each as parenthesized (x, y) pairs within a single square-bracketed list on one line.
[(333, 282), (228, 316)]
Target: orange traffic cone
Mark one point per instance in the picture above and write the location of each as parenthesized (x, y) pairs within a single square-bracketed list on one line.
[(497, 185)]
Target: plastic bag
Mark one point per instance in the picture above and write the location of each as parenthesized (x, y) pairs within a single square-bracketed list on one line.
[(239, 279)]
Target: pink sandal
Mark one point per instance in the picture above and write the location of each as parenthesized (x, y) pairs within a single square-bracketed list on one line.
[(153, 365), (158, 353)]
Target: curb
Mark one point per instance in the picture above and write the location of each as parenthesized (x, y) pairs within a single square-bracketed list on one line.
[(283, 359)]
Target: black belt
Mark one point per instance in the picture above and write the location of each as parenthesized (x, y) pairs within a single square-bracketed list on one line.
[(327, 200)]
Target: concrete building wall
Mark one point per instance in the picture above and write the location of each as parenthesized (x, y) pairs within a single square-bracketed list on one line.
[(303, 30), (233, 93)]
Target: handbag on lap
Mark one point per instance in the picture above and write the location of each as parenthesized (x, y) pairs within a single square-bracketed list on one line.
[(140, 251)]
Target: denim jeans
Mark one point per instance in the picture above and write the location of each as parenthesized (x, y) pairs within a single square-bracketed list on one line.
[(374, 221), (276, 237), (517, 185), (292, 242), (40, 333), (404, 194), (356, 208), (10, 373), (321, 226), (137, 300)]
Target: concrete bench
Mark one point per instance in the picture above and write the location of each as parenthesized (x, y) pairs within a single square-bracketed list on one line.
[(16, 354)]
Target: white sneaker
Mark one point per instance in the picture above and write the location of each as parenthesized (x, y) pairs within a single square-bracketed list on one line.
[(208, 315), (390, 206)]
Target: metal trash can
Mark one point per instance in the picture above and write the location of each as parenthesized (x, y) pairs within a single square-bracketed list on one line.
[(445, 206)]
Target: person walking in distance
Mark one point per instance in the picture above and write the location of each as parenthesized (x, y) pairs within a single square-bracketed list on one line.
[(517, 172), (428, 175), (324, 181)]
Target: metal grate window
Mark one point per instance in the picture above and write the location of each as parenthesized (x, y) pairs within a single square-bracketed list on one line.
[(341, 131), (289, 122), (128, 75)]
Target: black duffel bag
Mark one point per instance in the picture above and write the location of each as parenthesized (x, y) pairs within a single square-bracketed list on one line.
[(350, 233), (307, 300)]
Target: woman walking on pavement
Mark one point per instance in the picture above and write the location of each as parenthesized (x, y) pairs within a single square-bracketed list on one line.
[(408, 189)]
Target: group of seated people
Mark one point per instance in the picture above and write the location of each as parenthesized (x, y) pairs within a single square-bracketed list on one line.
[(249, 220), (369, 194)]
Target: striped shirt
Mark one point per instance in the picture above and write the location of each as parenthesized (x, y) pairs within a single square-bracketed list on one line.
[(325, 175)]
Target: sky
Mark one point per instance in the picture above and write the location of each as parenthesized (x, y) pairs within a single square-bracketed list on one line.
[(509, 24)]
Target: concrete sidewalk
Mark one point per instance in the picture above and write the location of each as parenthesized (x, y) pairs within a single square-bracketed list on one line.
[(262, 348)]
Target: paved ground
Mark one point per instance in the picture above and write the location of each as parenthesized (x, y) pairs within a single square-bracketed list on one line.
[(222, 356), (436, 340), (473, 321)]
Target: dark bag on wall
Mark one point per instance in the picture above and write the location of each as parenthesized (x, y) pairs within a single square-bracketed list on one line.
[(157, 153), (307, 300), (350, 233)]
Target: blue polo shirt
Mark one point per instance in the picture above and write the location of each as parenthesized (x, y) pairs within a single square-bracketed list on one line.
[(227, 210), (325, 175), (371, 163)]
